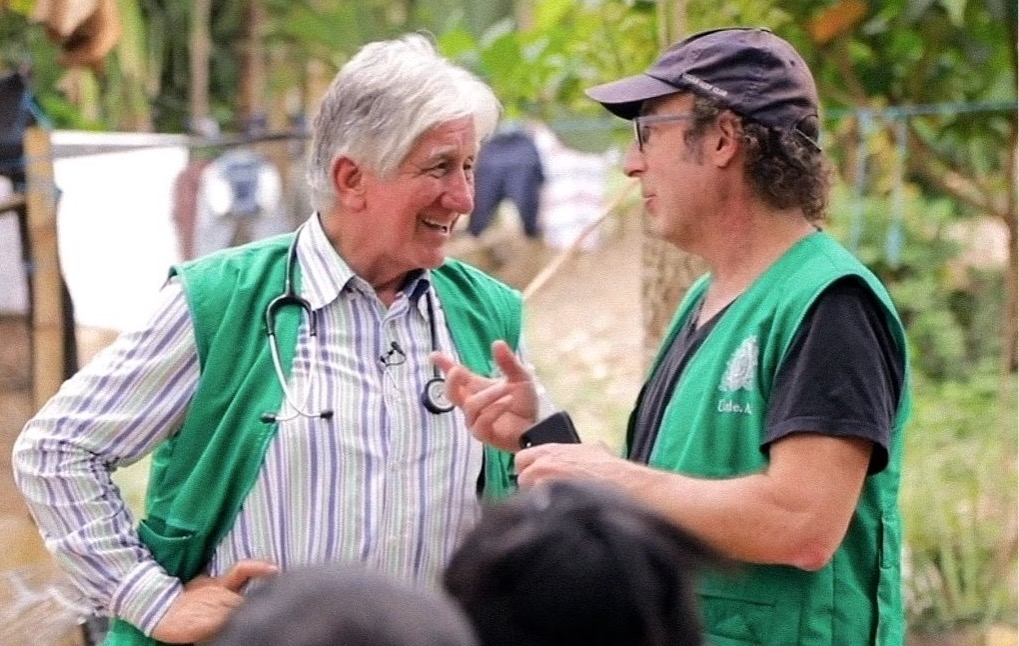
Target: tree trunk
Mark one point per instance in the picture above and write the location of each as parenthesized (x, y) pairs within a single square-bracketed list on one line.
[(671, 21), (524, 14), (668, 274), (251, 108), (479, 16), (132, 109), (667, 271), (200, 54), (1010, 330)]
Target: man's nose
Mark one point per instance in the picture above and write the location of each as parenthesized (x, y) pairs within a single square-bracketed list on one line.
[(459, 193), (633, 162)]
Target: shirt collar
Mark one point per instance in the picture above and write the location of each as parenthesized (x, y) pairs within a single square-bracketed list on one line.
[(325, 274)]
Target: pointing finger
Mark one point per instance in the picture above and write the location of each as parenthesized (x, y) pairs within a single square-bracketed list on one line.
[(508, 362), (442, 361)]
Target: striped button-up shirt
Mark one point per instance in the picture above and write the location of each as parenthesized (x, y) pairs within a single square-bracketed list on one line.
[(383, 481)]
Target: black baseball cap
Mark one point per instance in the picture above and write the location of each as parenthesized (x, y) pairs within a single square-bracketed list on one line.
[(752, 71)]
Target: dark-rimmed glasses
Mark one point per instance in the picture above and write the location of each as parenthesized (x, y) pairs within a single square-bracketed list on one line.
[(642, 125)]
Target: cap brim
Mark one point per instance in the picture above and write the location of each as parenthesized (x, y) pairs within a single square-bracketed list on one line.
[(624, 97)]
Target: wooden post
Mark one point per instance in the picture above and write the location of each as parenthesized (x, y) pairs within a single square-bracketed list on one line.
[(27, 571), (47, 311), (25, 565)]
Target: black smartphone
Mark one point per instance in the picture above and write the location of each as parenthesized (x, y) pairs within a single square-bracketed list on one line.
[(557, 428)]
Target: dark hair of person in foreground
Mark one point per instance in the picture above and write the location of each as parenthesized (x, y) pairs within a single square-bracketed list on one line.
[(579, 563), (337, 605)]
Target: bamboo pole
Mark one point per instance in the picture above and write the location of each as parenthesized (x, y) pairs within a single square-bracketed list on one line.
[(566, 254), (48, 351)]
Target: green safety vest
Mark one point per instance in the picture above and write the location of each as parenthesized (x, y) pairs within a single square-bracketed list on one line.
[(713, 428), (200, 476)]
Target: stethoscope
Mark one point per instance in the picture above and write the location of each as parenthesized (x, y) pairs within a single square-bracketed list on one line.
[(433, 396)]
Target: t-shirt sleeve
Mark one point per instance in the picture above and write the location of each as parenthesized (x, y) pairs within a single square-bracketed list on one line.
[(843, 374)]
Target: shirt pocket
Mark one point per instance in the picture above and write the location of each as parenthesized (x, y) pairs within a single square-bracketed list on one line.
[(173, 548)]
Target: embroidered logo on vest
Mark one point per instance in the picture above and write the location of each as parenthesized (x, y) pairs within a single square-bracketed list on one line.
[(741, 368), (739, 375)]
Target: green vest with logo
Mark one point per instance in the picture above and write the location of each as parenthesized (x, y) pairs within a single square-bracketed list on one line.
[(713, 427), (200, 476)]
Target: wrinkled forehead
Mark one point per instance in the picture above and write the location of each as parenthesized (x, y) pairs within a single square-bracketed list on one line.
[(448, 140)]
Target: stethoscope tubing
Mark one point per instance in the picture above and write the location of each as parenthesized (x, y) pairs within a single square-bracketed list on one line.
[(433, 395)]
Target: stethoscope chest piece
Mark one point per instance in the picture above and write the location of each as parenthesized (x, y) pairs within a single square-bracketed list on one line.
[(434, 398)]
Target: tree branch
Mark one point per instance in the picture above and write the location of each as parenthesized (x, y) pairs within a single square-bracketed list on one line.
[(929, 164)]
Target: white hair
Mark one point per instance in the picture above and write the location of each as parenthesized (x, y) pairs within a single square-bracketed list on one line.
[(382, 100)]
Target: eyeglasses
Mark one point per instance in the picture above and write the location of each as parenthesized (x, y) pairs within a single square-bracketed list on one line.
[(642, 125)]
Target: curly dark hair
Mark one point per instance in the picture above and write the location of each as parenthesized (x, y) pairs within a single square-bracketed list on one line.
[(785, 168)]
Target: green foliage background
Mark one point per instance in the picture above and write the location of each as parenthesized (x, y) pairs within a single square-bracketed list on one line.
[(959, 489)]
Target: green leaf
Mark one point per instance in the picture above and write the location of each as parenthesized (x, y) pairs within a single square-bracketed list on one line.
[(457, 42), (24, 7), (548, 14)]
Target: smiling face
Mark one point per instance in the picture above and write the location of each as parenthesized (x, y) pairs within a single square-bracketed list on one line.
[(402, 223)]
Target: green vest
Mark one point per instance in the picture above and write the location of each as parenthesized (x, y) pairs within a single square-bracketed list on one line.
[(200, 476), (713, 427)]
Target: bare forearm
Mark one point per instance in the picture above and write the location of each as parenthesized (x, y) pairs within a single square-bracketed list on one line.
[(746, 518), (795, 512)]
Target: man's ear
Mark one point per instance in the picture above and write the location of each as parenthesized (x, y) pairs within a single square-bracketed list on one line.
[(728, 138), (348, 180)]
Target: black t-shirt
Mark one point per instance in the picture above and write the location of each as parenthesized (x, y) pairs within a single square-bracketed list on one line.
[(842, 376)]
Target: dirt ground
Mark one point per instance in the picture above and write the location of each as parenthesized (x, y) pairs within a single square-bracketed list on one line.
[(583, 328), (585, 334)]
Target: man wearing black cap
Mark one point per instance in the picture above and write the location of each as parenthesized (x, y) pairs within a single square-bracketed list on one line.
[(771, 423)]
